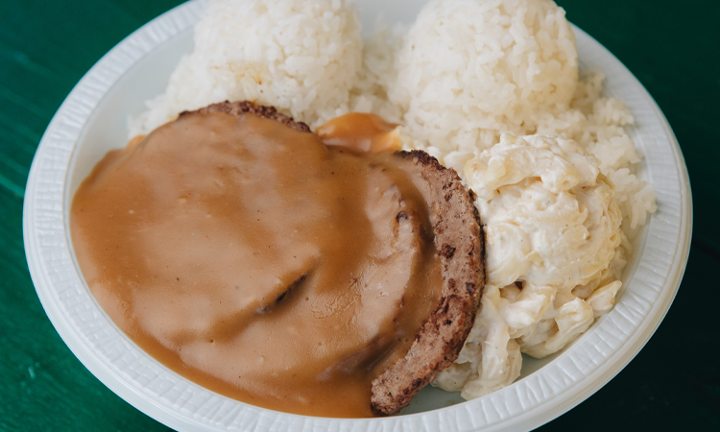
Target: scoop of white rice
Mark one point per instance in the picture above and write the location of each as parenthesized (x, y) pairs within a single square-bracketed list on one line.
[(472, 69), (301, 56)]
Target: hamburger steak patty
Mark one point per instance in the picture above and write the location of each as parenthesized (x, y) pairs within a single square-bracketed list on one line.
[(460, 244)]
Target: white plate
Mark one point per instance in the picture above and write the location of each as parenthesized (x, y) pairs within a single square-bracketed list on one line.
[(92, 120)]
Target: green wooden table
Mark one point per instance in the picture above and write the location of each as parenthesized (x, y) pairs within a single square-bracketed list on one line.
[(672, 47)]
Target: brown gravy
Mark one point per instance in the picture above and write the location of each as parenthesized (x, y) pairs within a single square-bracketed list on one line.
[(258, 262)]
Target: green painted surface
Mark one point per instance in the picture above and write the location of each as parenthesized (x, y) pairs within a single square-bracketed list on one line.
[(672, 47)]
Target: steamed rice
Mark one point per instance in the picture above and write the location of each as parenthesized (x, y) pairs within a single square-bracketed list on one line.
[(463, 74), (474, 69), (299, 56)]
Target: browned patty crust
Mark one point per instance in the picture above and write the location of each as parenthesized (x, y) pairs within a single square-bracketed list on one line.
[(243, 107), (459, 242)]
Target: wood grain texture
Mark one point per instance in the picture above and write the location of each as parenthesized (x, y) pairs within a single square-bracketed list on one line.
[(673, 384)]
